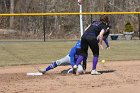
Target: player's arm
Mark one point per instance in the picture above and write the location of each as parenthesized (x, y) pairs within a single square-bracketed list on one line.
[(71, 54), (106, 36), (101, 38), (106, 42), (87, 27)]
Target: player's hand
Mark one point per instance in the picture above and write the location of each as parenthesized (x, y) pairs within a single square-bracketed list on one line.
[(102, 47)]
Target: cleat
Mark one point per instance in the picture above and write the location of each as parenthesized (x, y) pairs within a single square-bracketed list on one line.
[(94, 72), (41, 71), (68, 71)]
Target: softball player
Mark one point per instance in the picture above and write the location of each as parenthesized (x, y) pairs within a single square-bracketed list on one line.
[(89, 38), (69, 59)]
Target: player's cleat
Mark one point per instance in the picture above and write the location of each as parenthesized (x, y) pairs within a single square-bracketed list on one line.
[(41, 71), (94, 72), (74, 69), (68, 71)]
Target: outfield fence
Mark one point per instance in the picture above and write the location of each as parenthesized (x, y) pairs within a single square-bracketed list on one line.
[(42, 20), (45, 26)]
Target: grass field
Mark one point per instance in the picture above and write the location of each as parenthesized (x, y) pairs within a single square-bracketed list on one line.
[(117, 76), (16, 53)]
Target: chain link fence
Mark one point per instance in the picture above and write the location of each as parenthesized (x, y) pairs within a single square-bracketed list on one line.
[(59, 27)]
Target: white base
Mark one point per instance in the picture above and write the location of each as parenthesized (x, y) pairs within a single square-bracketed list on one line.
[(34, 74)]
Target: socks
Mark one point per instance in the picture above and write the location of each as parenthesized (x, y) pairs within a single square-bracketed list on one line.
[(94, 62), (79, 60), (51, 66)]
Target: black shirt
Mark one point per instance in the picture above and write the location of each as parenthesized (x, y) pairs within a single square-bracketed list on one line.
[(96, 27)]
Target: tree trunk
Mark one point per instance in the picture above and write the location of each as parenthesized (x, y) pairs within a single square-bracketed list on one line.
[(11, 12)]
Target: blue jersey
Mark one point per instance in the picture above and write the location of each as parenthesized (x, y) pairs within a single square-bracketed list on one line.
[(75, 52)]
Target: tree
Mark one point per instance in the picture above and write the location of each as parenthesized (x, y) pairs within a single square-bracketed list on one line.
[(11, 12)]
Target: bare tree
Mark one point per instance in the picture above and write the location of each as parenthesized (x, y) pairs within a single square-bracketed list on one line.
[(11, 12)]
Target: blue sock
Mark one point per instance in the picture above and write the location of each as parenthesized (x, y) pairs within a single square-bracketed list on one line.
[(94, 62), (79, 60), (51, 66)]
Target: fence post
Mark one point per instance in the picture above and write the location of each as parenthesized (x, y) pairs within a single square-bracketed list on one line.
[(44, 28), (139, 24), (91, 18)]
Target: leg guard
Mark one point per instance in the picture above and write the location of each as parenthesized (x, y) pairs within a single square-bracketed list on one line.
[(51, 66)]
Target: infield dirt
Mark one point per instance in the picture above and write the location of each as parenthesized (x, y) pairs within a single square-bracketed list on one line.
[(116, 77)]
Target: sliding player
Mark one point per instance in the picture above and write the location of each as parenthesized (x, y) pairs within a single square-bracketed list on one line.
[(69, 59)]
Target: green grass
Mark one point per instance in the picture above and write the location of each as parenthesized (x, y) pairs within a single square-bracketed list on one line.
[(122, 50), (17, 53)]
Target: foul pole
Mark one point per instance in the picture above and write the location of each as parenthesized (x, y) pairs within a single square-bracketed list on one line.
[(81, 17), (139, 24)]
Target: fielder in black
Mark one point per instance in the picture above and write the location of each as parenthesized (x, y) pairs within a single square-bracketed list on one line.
[(89, 38)]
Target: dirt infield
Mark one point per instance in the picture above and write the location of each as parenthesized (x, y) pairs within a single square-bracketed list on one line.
[(116, 77)]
